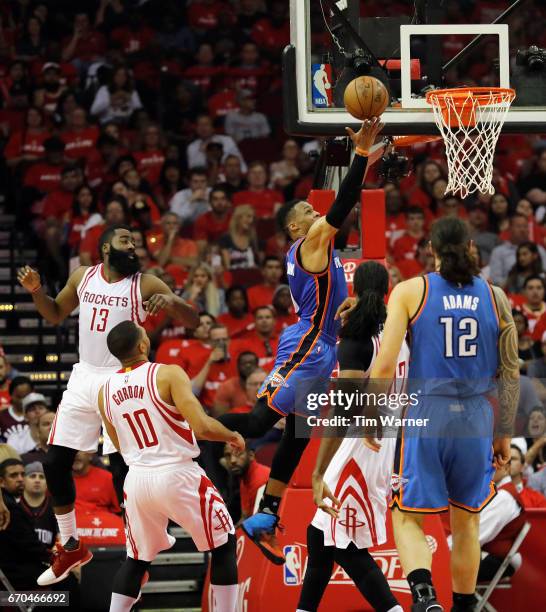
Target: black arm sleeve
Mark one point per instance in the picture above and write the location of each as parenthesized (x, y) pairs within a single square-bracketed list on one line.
[(348, 192), (354, 354)]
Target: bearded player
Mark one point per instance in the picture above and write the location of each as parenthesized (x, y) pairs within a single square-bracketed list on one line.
[(355, 480), (463, 347), (307, 350), (152, 417), (107, 294)]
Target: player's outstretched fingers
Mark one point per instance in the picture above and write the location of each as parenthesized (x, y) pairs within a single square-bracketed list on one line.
[(372, 444), (329, 495)]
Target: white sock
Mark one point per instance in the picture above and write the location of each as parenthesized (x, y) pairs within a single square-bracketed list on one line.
[(396, 609), (224, 597), (121, 603), (67, 526)]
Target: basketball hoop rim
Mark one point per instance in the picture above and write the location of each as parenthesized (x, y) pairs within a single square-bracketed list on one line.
[(459, 96)]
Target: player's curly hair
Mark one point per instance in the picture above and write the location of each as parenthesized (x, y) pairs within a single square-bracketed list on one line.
[(371, 284), (450, 241)]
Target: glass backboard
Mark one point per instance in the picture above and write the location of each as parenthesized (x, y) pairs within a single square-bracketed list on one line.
[(412, 47)]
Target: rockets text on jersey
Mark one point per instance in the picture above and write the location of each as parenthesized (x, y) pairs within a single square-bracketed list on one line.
[(102, 306)]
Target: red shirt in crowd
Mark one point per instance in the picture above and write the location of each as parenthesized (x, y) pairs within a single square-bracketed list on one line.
[(208, 227), (405, 247), (409, 268), (80, 143), (96, 489), (88, 47), (132, 41), (222, 102), (202, 76), (260, 295), (5, 398), (255, 477), (90, 244), (190, 355), (230, 394), (43, 177), (26, 143), (58, 204), (149, 164), (262, 201), (236, 327), (205, 16), (264, 349), (219, 372), (270, 38)]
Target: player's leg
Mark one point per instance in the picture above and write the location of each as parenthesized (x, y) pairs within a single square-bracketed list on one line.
[(223, 575), (252, 424), (127, 584), (465, 558), (260, 527), (368, 578), (320, 563), (416, 559)]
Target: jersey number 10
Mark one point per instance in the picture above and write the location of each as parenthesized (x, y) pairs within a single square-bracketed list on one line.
[(464, 345), (140, 420)]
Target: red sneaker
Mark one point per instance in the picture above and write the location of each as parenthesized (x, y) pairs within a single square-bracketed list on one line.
[(64, 561)]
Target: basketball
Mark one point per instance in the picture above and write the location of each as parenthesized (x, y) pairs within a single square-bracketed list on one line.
[(366, 97)]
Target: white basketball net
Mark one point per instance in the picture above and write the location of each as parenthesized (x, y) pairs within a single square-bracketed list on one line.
[(470, 123)]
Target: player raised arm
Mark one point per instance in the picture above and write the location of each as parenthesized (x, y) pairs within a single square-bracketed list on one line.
[(174, 382), (54, 310), (314, 248), (508, 378), (156, 296)]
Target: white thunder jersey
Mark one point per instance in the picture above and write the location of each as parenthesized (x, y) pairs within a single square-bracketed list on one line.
[(151, 433), (361, 479), (102, 306)]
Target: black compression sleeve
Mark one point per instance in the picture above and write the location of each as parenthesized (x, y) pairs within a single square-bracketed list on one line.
[(348, 192)]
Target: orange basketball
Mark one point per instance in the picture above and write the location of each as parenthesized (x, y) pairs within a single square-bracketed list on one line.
[(366, 97)]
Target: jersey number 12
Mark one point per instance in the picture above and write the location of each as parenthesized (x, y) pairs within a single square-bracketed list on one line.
[(464, 345)]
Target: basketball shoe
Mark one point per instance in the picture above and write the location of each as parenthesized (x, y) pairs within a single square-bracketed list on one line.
[(63, 561), (260, 528)]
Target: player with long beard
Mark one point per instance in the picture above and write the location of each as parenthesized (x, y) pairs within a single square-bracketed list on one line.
[(107, 294), (307, 350), (351, 483)]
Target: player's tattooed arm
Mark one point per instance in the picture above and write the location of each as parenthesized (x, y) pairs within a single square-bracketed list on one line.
[(508, 373), (157, 296), (54, 310)]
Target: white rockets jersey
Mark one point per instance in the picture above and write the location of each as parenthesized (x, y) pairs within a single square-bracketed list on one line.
[(102, 306), (151, 433), (361, 479)]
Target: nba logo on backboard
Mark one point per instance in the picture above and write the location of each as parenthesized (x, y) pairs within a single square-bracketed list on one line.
[(321, 77), (292, 565)]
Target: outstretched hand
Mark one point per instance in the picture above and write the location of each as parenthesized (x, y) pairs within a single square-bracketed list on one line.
[(366, 135), (29, 278), (322, 492)]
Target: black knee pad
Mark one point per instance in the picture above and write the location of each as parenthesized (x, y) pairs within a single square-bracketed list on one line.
[(223, 566), (58, 472), (128, 578)]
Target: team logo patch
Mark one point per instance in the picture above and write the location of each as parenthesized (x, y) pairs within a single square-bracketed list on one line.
[(276, 380), (292, 568), (397, 481)]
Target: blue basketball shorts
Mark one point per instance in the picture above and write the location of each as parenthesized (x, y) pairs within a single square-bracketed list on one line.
[(448, 458), (302, 367)]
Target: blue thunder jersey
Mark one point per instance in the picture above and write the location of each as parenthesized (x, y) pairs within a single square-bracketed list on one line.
[(316, 297), (454, 337)]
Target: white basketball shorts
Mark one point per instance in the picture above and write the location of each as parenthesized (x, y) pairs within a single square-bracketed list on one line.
[(180, 492), (78, 422)]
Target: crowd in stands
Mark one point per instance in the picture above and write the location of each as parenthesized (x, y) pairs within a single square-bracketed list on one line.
[(166, 115)]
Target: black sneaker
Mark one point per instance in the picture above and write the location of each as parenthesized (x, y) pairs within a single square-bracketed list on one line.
[(424, 599)]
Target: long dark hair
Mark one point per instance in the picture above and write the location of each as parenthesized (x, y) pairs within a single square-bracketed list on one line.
[(371, 284), (449, 237)]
